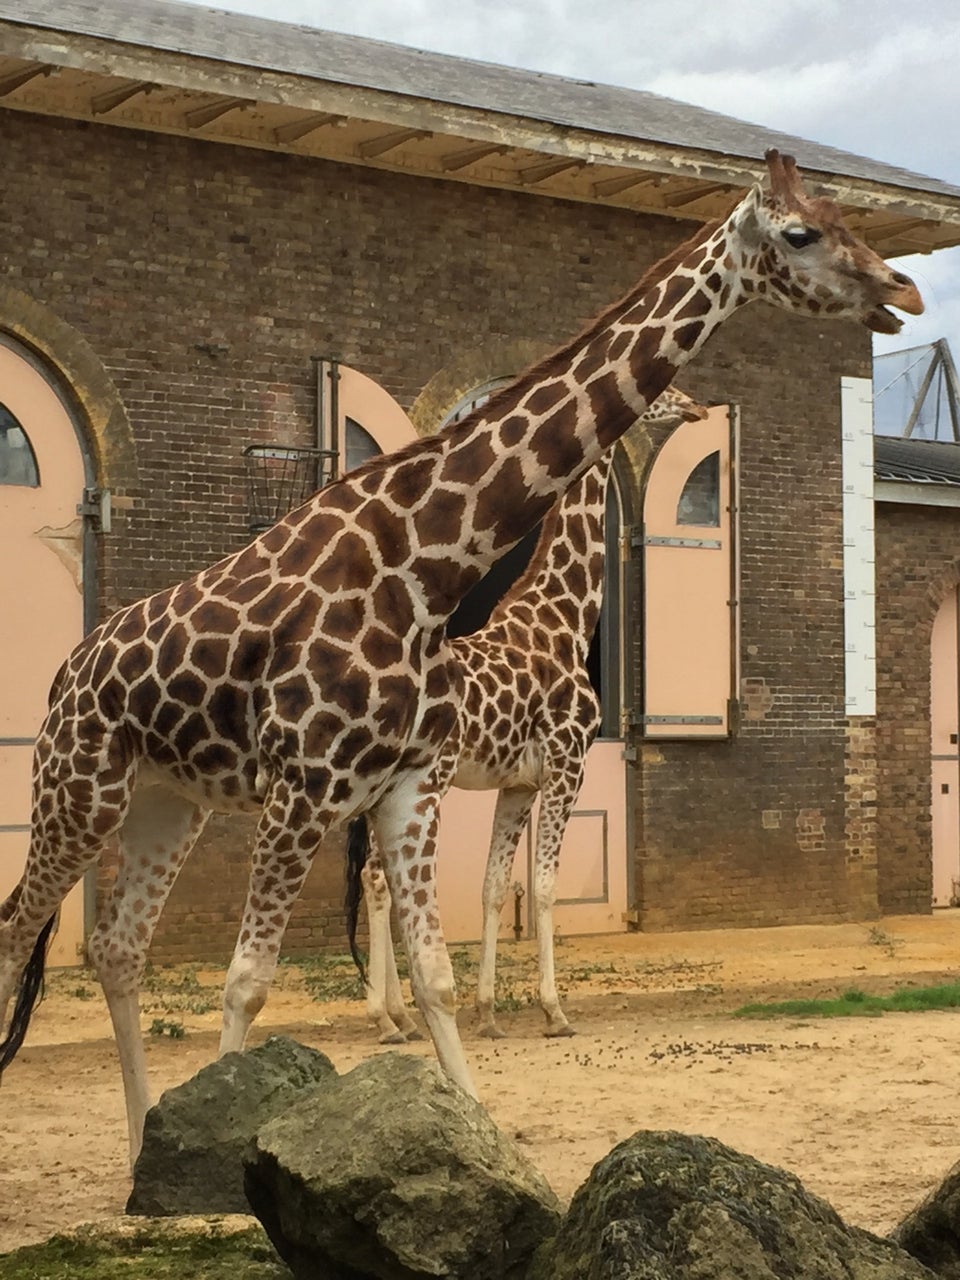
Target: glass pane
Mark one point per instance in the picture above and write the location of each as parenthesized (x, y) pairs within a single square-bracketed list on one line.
[(17, 462), (700, 500), (474, 399), (358, 446)]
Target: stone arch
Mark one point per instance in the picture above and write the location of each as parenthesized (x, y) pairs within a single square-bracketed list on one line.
[(504, 357), (507, 357), (84, 381), (945, 580)]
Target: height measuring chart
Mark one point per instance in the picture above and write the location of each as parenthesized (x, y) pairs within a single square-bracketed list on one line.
[(859, 557)]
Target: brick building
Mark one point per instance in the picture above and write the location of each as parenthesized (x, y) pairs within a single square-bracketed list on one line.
[(918, 696), (219, 232)]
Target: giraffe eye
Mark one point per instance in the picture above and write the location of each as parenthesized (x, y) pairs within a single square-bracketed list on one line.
[(800, 237)]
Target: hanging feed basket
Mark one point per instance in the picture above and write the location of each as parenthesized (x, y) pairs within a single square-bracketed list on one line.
[(281, 477)]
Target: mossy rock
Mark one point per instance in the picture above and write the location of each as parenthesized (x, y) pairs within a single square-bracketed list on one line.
[(228, 1247)]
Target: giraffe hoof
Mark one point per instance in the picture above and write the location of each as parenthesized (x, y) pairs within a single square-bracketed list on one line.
[(492, 1033), (414, 1034), (393, 1037), (559, 1033)]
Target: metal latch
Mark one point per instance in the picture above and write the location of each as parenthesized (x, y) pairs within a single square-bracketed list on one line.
[(97, 508)]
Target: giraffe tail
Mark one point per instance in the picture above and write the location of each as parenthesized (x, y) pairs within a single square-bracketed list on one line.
[(29, 994), (358, 850)]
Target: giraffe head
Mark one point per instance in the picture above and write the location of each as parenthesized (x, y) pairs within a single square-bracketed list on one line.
[(799, 255), (672, 407)]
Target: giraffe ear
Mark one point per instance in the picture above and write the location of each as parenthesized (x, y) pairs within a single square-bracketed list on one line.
[(746, 216)]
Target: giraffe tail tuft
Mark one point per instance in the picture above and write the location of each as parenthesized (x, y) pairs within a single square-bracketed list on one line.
[(358, 849), (29, 994)]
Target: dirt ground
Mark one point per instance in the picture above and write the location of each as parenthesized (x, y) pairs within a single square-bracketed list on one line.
[(862, 1109)]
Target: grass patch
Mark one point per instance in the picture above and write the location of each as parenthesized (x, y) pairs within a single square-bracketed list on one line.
[(148, 1255), (329, 977), (177, 990), (857, 1004), (164, 1027)]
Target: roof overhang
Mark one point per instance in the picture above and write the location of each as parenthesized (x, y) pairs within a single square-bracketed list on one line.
[(915, 494), (83, 77)]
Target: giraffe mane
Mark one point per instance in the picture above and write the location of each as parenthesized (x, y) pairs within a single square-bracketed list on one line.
[(548, 535)]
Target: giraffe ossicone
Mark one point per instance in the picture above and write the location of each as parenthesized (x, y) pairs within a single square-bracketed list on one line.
[(307, 678), (527, 718)]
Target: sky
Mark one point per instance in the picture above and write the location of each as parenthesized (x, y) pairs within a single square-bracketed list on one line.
[(876, 77)]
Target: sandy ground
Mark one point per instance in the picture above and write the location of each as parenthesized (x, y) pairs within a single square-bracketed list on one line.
[(862, 1109)]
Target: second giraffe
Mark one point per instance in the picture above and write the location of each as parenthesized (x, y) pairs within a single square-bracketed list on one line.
[(528, 716)]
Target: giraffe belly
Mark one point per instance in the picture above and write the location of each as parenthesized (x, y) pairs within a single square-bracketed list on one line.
[(227, 793), (522, 768)]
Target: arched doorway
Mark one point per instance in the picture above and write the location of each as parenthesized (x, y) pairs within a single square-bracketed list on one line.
[(945, 751), (43, 472)]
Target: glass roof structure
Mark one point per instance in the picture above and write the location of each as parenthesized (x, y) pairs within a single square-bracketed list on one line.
[(916, 394)]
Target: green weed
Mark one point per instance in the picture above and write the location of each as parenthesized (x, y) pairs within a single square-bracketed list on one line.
[(857, 1004), (164, 1027)]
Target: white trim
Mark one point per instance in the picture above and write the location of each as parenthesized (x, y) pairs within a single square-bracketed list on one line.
[(915, 494), (859, 556)]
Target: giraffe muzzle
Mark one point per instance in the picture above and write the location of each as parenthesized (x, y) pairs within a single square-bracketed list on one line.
[(902, 294)]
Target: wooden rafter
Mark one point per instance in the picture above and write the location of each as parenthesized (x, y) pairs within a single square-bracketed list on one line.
[(689, 195), (613, 186), (101, 103), (388, 141), (540, 172), (17, 79), (454, 160), (200, 116)]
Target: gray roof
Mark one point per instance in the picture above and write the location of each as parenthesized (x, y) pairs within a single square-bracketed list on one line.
[(916, 461), (351, 60)]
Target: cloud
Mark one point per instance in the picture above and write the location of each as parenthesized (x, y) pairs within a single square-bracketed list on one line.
[(866, 101)]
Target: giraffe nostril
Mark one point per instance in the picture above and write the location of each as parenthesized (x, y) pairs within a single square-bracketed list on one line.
[(901, 279)]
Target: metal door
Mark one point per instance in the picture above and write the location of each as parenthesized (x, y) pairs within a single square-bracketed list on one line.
[(41, 601), (689, 583), (944, 734)]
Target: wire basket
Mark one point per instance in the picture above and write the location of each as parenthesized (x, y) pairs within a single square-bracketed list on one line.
[(281, 477)]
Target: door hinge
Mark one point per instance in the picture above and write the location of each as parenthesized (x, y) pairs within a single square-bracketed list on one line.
[(97, 508)]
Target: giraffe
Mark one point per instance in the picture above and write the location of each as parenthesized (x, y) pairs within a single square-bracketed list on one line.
[(306, 677), (528, 716)]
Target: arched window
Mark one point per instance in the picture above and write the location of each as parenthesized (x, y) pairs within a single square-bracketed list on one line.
[(358, 445), (18, 463), (699, 502), (473, 400)]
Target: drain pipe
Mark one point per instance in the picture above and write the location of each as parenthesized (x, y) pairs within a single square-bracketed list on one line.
[(518, 892)]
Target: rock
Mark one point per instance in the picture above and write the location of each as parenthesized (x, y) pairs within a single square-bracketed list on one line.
[(666, 1206), (931, 1232), (394, 1172), (194, 1138)]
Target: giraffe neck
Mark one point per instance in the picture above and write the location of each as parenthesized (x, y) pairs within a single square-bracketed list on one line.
[(562, 586), (446, 508)]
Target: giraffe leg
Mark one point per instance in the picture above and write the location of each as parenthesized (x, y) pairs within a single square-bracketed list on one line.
[(384, 996), (406, 823), (512, 812), (558, 796), (78, 803), (284, 851), (158, 832)]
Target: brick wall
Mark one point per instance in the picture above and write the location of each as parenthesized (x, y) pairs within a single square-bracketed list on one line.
[(918, 561), (205, 278)]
